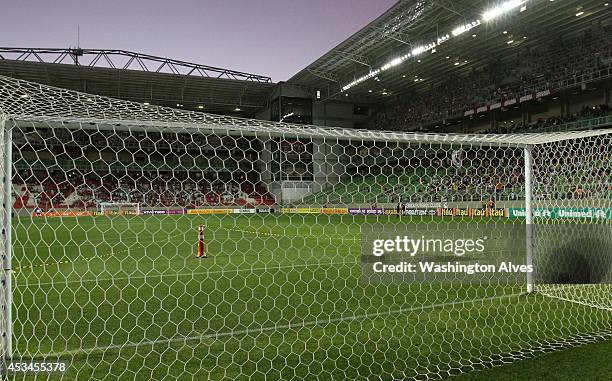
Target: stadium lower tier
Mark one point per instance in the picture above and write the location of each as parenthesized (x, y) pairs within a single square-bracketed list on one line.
[(90, 191), (445, 186)]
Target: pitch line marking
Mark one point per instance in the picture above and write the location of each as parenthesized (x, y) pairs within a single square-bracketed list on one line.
[(17, 269), (294, 235), (93, 280), (576, 302), (280, 327)]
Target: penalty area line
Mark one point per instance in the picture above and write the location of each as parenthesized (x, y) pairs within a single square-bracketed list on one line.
[(18, 269), (200, 273), (306, 236), (280, 327)]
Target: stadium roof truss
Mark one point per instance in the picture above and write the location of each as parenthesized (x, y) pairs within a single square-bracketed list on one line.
[(139, 77), (412, 23), (30, 103), (125, 60)]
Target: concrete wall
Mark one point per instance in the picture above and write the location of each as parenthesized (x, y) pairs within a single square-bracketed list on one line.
[(327, 169)]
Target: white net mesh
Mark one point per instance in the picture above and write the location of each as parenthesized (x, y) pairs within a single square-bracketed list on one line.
[(285, 210)]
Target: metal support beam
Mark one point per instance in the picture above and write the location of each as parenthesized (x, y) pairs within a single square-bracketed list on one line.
[(360, 59), (325, 76), (133, 61)]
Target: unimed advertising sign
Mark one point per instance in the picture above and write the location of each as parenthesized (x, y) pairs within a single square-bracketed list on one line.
[(554, 213)]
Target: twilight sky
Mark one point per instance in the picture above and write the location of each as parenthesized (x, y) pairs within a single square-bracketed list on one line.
[(269, 37)]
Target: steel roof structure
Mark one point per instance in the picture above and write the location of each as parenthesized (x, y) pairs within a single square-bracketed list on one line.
[(140, 77), (412, 23)]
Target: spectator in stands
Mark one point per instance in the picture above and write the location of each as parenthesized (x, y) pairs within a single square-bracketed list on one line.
[(531, 70)]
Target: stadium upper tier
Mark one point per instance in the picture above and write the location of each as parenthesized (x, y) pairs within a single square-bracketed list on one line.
[(557, 65), (589, 117)]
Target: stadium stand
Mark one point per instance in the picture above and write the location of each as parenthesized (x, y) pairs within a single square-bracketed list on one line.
[(54, 171), (88, 191), (555, 123), (439, 180), (546, 68)]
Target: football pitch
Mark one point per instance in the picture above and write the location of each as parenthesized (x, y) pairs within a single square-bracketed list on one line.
[(279, 297)]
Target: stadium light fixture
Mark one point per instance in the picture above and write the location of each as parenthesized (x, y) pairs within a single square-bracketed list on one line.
[(502, 8), (442, 39), (490, 14), (201, 107), (237, 109), (579, 13), (464, 28), (418, 50), (510, 42)]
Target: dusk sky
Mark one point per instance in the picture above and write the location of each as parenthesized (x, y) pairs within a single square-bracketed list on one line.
[(269, 37)]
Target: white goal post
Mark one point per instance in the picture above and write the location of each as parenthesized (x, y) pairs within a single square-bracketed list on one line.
[(247, 254)]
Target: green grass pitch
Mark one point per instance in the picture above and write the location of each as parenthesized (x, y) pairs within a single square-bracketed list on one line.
[(279, 298)]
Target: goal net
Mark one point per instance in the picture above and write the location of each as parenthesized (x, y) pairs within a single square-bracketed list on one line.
[(329, 253)]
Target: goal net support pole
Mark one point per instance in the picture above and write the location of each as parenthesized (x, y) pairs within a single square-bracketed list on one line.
[(6, 257), (529, 216)]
